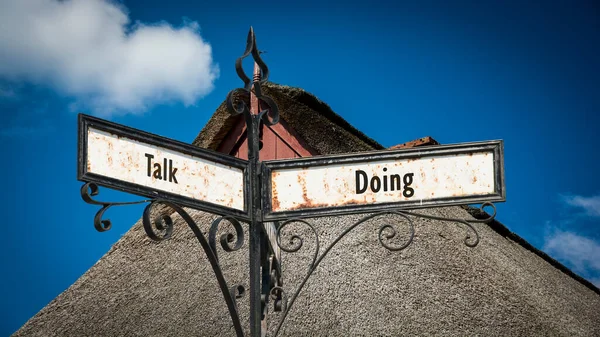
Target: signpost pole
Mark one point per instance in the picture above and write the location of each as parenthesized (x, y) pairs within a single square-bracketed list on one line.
[(255, 258), (448, 175), (253, 122)]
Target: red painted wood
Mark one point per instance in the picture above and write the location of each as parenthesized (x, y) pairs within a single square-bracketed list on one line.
[(242, 150), (288, 135), (269, 148), (284, 151), (279, 141), (234, 136)]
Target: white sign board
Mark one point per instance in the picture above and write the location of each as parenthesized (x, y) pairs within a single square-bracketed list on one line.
[(412, 178), (144, 164)]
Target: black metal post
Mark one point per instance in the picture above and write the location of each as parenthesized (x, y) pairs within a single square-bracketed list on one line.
[(258, 254), (253, 123), (264, 282)]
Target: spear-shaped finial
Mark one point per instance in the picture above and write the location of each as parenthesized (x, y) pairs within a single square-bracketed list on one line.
[(251, 38), (260, 75)]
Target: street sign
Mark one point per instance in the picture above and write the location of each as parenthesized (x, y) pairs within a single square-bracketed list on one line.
[(262, 193), (370, 181), (134, 161)]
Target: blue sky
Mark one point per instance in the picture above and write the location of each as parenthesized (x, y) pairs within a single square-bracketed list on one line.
[(526, 72)]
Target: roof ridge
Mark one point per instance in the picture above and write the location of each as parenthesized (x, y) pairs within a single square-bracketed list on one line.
[(313, 102), (499, 227), (502, 230)]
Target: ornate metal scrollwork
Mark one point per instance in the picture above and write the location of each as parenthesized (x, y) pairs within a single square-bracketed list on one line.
[(89, 190), (226, 239), (386, 232), (161, 227), (296, 242), (269, 116), (270, 288), (462, 221)]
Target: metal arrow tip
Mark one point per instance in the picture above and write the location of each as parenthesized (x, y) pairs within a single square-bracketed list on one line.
[(250, 39)]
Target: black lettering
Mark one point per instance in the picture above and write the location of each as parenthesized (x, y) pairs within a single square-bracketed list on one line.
[(408, 180), (373, 187), (149, 156), (385, 179), (395, 178), (359, 173), (162, 172), (172, 172), (157, 171), (165, 168)]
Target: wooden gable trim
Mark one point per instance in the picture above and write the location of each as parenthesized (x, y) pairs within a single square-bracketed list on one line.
[(237, 136), (292, 139)]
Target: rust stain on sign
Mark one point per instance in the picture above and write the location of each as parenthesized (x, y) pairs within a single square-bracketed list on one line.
[(165, 170), (306, 202), (383, 181), (275, 194)]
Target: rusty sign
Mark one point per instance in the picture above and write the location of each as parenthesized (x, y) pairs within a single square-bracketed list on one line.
[(412, 178), (134, 161)]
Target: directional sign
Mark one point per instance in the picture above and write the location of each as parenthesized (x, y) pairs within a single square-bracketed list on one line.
[(134, 161), (411, 178)]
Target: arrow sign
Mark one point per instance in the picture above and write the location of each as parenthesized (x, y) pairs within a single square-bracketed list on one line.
[(134, 161), (371, 181)]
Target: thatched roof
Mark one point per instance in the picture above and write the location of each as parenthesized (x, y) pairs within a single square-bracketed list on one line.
[(323, 130), (437, 286)]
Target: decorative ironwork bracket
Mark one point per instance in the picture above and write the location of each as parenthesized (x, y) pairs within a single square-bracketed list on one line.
[(161, 228), (386, 232), (269, 286)]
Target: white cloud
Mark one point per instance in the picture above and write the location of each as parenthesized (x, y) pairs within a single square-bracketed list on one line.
[(591, 205), (87, 49), (581, 253)]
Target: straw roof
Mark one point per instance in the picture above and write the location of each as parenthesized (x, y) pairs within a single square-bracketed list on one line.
[(437, 286)]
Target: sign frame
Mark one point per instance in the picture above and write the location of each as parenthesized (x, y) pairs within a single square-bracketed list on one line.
[(496, 147), (85, 122)]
